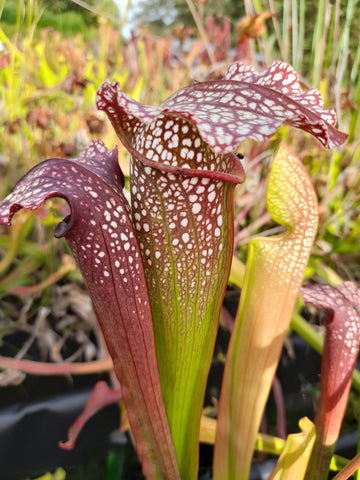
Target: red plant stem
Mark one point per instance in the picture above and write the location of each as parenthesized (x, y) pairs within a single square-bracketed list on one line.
[(227, 319), (280, 408), (44, 368), (350, 469)]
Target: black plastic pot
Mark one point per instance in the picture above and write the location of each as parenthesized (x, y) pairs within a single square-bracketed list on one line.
[(35, 416), (30, 432)]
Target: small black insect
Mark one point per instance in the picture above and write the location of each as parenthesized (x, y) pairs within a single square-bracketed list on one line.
[(62, 228)]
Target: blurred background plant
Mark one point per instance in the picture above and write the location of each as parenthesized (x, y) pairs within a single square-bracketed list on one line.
[(54, 55)]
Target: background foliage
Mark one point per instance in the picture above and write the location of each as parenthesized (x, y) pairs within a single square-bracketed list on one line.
[(54, 55)]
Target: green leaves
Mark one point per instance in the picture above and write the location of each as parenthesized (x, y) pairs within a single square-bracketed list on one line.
[(188, 242), (183, 173), (274, 273), (157, 270)]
